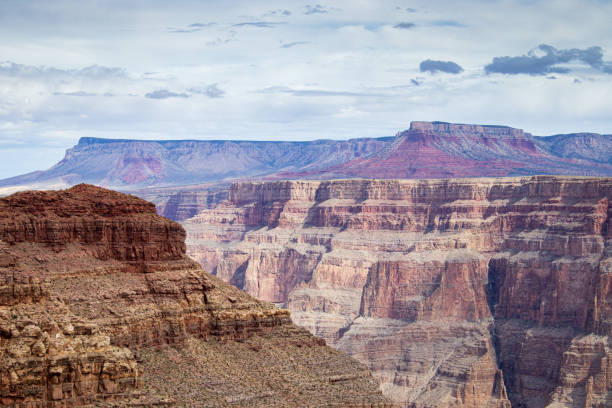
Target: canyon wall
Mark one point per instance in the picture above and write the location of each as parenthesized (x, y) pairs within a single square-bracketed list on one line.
[(99, 306), (456, 293)]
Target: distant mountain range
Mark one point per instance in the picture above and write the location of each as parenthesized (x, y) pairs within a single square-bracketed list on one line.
[(426, 150)]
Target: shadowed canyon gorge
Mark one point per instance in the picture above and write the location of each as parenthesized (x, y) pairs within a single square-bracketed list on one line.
[(456, 293), (99, 306)]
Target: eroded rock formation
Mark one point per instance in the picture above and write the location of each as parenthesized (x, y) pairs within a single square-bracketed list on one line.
[(456, 293), (100, 307)]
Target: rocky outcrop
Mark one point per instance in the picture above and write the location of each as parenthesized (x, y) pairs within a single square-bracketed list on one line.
[(100, 307), (111, 226), (456, 293)]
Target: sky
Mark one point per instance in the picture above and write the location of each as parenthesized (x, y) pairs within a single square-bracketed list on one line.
[(294, 70)]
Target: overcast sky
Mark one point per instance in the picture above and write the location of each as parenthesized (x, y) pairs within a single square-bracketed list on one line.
[(293, 70)]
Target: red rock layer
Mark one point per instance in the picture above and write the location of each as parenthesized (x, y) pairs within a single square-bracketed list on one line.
[(518, 270), (94, 287)]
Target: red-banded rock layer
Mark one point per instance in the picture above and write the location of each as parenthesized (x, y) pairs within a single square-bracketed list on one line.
[(100, 307), (517, 269), (112, 227)]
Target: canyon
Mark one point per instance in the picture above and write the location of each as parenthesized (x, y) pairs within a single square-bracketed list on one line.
[(99, 306), (482, 292)]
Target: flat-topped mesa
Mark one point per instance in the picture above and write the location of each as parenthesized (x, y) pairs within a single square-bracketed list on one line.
[(460, 129)]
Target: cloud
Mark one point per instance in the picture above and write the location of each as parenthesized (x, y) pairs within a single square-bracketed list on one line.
[(77, 93), (202, 25), (191, 28), (279, 12), (404, 26), (316, 9), (258, 24), (314, 92), (212, 91), (293, 44), (183, 30), (9, 68), (165, 94), (440, 66), (407, 9), (544, 59), (447, 23)]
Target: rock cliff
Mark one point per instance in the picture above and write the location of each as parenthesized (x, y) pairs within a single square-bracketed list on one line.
[(456, 293), (100, 307)]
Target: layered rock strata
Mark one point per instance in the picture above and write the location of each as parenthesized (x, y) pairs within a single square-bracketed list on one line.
[(100, 307), (456, 293)]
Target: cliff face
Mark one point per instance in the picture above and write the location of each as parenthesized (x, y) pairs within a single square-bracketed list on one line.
[(99, 306), (456, 293)]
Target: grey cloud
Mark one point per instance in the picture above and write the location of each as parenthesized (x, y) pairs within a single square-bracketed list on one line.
[(534, 63), (316, 9), (202, 25), (191, 28), (293, 44), (279, 12), (404, 26), (407, 9), (447, 23), (259, 24), (165, 94), (212, 91), (183, 30), (440, 66), (9, 68)]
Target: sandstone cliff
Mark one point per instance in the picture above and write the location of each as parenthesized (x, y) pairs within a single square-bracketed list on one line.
[(100, 307), (456, 293)]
